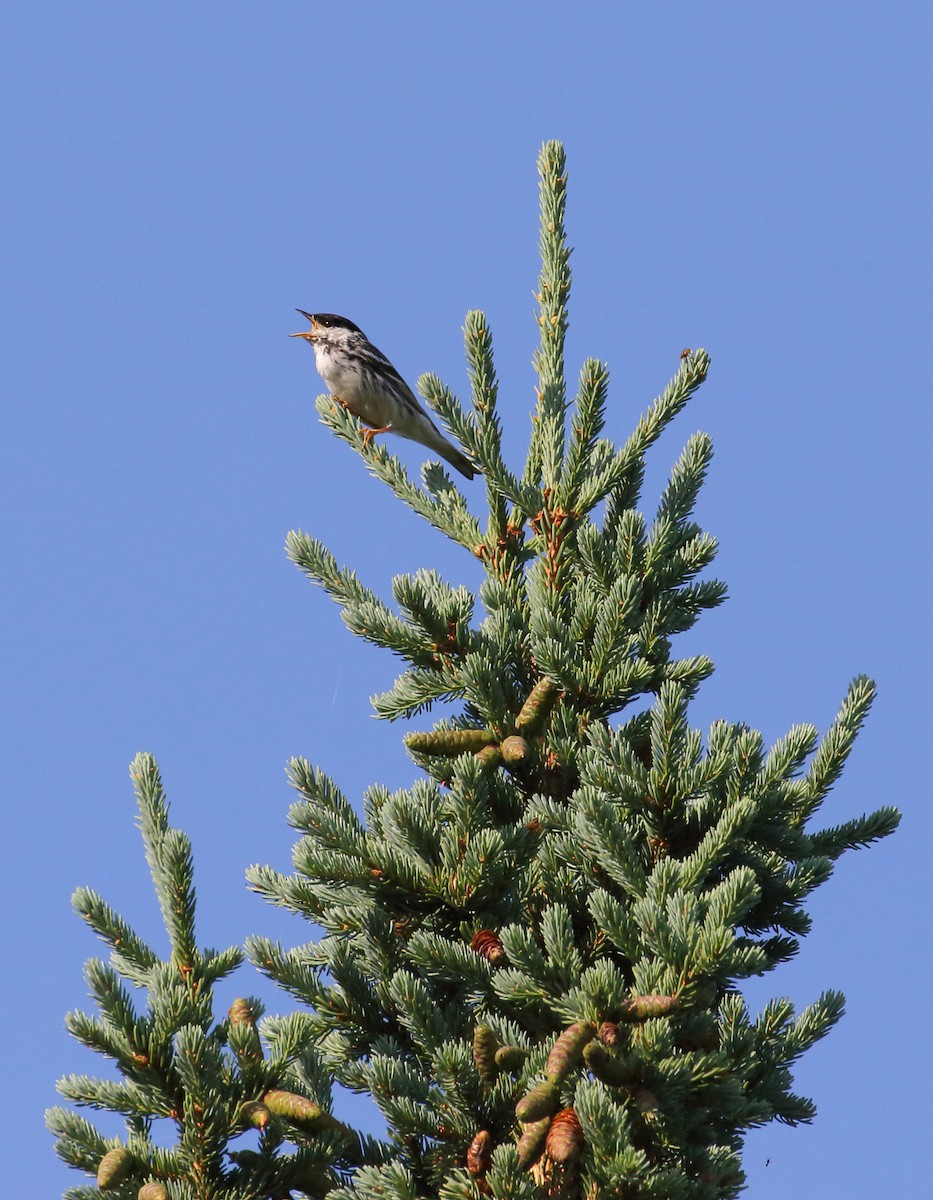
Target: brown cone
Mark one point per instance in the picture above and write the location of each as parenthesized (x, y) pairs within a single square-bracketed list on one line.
[(565, 1138), (487, 943)]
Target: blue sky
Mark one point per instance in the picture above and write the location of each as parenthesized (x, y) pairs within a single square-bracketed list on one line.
[(753, 179)]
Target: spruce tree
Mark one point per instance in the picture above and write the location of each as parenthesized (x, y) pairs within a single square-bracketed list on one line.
[(210, 1083), (532, 958)]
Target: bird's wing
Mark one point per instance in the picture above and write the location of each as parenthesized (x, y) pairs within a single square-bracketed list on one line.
[(388, 369)]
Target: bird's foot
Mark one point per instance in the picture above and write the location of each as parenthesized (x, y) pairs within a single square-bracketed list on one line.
[(369, 434)]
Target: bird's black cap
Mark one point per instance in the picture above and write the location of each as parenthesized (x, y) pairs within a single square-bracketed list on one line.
[(330, 320)]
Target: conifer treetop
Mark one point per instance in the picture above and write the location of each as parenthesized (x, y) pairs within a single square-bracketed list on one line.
[(532, 958), (193, 1090)]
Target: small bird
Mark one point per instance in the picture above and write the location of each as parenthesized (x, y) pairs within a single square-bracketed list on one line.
[(362, 379)]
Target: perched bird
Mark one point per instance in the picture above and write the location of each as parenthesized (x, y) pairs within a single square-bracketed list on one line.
[(362, 379)]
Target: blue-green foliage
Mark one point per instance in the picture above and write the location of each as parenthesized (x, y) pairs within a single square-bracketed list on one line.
[(599, 865), (186, 1078)]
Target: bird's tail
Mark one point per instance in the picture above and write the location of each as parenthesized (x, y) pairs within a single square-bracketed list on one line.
[(432, 437), (458, 460)]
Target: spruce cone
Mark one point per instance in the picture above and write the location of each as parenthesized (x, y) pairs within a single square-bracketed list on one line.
[(152, 1191), (241, 1013), (298, 1109), (534, 711), (448, 743), (114, 1167), (608, 1033), (515, 750), (540, 1102), (511, 1058), (304, 1112), (485, 1045), (489, 756), (254, 1113), (531, 1143), (244, 1036), (565, 1138), (608, 1067), (642, 1008), (486, 943), (567, 1049), (479, 1155)]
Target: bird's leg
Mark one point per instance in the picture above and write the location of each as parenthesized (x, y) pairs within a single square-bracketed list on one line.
[(369, 434)]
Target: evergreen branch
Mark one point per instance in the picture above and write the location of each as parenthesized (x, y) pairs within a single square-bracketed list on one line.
[(557, 934), (129, 1098), (391, 1181), (331, 830), (731, 899), (79, 1143), (284, 967), (444, 959), (668, 737), (807, 874), (614, 919), (607, 842), (686, 560), (794, 1110), (450, 409), (718, 843), (546, 449), (836, 746), (416, 691), (617, 618), (168, 853), (451, 518), (316, 863), (134, 959), (601, 989), (689, 672), (429, 1026), (787, 756), (363, 612), (114, 1000), (218, 964), (317, 562), (320, 792), (501, 483), (586, 424), (598, 557), (482, 436), (100, 1036), (176, 998), (679, 497), (861, 831), (200, 1068), (814, 1023), (443, 612), (623, 472)]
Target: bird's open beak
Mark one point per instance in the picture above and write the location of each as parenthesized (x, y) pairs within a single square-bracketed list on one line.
[(308, 334)]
